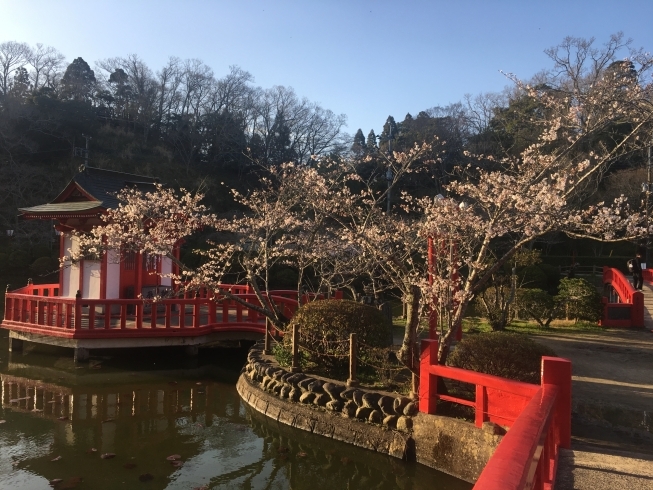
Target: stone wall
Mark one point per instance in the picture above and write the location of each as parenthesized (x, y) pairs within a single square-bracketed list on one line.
[(378, 421)]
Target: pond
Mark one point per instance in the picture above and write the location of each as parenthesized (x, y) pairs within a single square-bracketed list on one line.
[(155, 419)]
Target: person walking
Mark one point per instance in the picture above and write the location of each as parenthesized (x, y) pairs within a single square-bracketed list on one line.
[(636, 268)]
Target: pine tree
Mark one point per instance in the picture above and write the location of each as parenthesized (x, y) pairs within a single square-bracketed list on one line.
[(359, 147), (78, 81), (371, 141)]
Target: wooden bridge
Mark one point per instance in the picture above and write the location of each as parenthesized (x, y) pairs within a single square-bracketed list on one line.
[(36, 313)]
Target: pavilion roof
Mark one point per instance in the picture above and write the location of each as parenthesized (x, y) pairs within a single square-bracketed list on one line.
[(91, 191)]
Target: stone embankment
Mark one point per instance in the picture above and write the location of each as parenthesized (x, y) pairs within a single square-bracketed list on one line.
[(374, 420)]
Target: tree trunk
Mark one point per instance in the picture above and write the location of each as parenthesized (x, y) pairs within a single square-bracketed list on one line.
[(407, 352)]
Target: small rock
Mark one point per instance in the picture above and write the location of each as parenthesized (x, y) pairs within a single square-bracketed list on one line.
[(348, 393), (333, 390), (411, 409), (321, 399), (335, 405), (375, 417), (371, 400), (358, 397), (386, 404), (404, 424), (307, 397), (400, 403), (303, 384), (295, 378), (316, 386), (390, 421), (363, 412), (294, 394), (349, 409)]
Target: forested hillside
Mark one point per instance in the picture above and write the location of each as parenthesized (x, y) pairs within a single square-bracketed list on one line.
[(194, 128)]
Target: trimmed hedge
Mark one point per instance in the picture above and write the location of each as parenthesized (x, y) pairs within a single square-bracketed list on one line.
[(325, 326), (509, 355)]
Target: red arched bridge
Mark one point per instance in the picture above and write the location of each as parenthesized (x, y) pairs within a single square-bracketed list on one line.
[(36, 313)]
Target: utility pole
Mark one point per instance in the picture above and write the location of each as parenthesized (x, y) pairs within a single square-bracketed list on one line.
[(648, 214), (388, 174), (82, 152)]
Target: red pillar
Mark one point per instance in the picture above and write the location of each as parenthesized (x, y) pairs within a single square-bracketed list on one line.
[(428, 383), (557, 371)]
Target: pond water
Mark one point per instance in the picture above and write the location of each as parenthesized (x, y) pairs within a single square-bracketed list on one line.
[(155, 419)]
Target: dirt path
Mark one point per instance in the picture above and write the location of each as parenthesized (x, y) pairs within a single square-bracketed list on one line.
[(612, 387)]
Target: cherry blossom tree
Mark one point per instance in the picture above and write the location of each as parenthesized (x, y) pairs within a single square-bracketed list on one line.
[(327, 220)]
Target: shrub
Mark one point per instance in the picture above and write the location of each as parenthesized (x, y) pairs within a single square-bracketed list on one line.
[(581, 299), (325, 327), (19, 259), (44, 266), (508, 355), (538, 305)]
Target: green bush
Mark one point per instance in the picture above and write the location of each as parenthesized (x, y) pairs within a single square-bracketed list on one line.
[(508, 355), (19, 259), (582, 300), (44, 266), (538, 305), (325, 326)]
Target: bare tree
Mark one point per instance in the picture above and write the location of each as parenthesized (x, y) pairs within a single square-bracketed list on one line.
[(47, 64), (13, 55)]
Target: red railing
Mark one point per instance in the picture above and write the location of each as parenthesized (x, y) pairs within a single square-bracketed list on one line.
[(539, 418), (102, 318), (629, 311)]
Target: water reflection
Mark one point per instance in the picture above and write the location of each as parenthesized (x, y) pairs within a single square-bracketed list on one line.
[(63, 423)]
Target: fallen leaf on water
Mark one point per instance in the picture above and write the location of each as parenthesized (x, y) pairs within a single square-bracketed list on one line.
[(108, 420), (173, 457), (200, 392), (129, 466), (108, 456), (198, 383), (2, 421), (176, 464), (54, 481), (56, 459), (146, 477), (92, 450), (301, 455), (63, 418)]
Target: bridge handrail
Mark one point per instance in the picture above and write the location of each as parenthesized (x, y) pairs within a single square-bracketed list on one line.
[(627, 295), (539, 418), (59, 314)]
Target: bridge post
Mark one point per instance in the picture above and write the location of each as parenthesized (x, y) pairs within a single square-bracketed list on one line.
[(353, 353), (15, 345), (295, 368), (266, 349), (557, 371), (81, 354)]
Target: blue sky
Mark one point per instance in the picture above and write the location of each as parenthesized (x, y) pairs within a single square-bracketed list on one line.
[(366, 59)]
